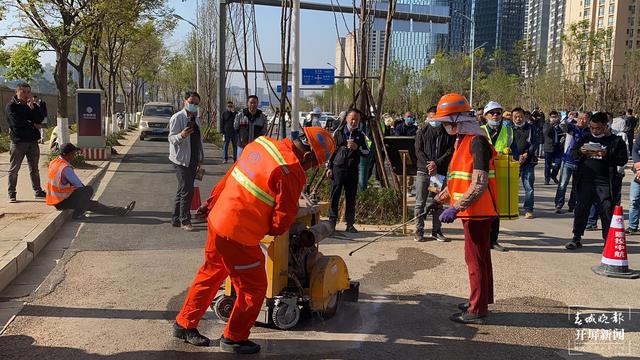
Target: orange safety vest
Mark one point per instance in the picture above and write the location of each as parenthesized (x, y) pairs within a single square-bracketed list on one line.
[(459, 180), (244, 209), (56, 191)]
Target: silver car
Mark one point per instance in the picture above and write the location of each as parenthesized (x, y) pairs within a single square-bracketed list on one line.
[(155, 120)]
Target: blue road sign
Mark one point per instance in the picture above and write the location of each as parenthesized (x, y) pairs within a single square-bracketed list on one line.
[(279, 88), (264, 104), (318, 76)]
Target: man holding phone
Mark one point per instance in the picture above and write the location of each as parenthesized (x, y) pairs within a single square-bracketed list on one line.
[(25, 118), (186, 154)]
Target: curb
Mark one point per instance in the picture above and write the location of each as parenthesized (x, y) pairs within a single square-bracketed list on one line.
[(22, 255)]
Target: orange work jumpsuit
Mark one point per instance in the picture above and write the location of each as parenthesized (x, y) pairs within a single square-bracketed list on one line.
[(258, 196), (476, 221)]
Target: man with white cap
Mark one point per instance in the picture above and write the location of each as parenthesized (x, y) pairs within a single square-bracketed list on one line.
[(501, 137), (471, 192)]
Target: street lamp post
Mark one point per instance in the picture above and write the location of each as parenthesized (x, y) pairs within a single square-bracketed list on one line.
[(471, 50), (197, 50), (333, 110)]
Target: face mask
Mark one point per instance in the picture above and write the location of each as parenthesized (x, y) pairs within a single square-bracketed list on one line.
[(493, 123), (449, 129), (518, 126), (408, 121), (598, 136), (435, 123), (192, 108), (507, 122)]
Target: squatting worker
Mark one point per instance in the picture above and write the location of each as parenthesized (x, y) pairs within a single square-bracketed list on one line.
[(471, 191), (66, 191), (264, 185), (187, 155), (344, 167)]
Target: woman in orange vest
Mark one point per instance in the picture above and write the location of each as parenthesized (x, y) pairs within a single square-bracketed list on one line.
[(471, 192), (258, 196)]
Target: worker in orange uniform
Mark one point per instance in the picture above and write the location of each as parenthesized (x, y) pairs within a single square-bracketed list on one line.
[(258, 196), (471, 191)]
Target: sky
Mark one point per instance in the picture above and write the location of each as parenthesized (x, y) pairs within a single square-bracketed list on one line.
[(318, 34)]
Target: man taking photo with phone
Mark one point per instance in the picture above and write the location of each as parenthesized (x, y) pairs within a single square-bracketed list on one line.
[(186, 154)]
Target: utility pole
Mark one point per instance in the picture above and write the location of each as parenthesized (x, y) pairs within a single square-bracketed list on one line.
[(295, 73), (195, 27), (472, 34), (220, 50)]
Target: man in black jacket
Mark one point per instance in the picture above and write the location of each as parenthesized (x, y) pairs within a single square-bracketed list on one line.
[(526, 138), (553, 147), (250, 123), (630, 123), (597, 168), (25, 118), (344, 165), (229, 132), (434, 149)]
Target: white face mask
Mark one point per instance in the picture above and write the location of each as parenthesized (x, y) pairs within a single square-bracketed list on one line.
[(598, 136)]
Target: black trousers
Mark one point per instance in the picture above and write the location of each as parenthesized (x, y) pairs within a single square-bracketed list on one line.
[(588, 193), (495, 231), (347, 179), (80, 201), (184, 194)]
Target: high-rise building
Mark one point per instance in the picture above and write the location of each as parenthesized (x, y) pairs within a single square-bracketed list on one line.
[(346, 55), (621, 16), (499, 23), (536, 29), (556, 28), (459, 26)]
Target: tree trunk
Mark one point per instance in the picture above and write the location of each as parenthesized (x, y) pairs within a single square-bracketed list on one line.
[(62, 79)]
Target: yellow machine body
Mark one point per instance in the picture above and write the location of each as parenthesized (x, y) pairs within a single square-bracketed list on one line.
[(507, 183), (329, 276)]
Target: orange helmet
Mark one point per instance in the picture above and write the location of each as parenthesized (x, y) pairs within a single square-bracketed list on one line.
[(451, 104), (321, 143)]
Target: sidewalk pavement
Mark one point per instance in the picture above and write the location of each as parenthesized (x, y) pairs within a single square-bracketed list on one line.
[(28, 225)]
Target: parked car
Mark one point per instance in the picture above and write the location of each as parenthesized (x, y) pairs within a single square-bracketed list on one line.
[(155, 120)]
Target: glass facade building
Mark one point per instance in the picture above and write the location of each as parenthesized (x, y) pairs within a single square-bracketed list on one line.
[(499, 23)]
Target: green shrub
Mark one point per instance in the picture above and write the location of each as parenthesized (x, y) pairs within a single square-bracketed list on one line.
[(376, 206), (112, 140), (78, 162), (212, 135), (5, 142)]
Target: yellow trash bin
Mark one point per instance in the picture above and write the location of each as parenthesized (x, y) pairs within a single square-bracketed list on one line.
[(507, 182)]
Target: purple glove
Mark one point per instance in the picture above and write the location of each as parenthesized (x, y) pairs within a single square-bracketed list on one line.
[(449, 215)]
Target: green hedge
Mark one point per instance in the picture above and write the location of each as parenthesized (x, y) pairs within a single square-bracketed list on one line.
[(375, 205), (5, 142)]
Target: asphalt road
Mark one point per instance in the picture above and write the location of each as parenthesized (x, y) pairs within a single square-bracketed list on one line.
[(111, 287)]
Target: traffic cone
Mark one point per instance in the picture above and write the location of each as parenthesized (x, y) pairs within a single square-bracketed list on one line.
[(195, 201), (614, 261)]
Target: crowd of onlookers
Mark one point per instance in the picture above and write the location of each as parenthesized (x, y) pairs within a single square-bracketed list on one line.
[(584, 153)]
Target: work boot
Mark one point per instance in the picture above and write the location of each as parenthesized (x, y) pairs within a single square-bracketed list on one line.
[(439, 236), (575, 243), (467, 318), (498, 247), (239, 347), (40, 194), (350, 228), (192, 336), (128, 209)]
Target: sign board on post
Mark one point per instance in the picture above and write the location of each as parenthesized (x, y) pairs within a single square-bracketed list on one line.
[(264, 104), (318, 76), (90, 117), (279, 89)]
